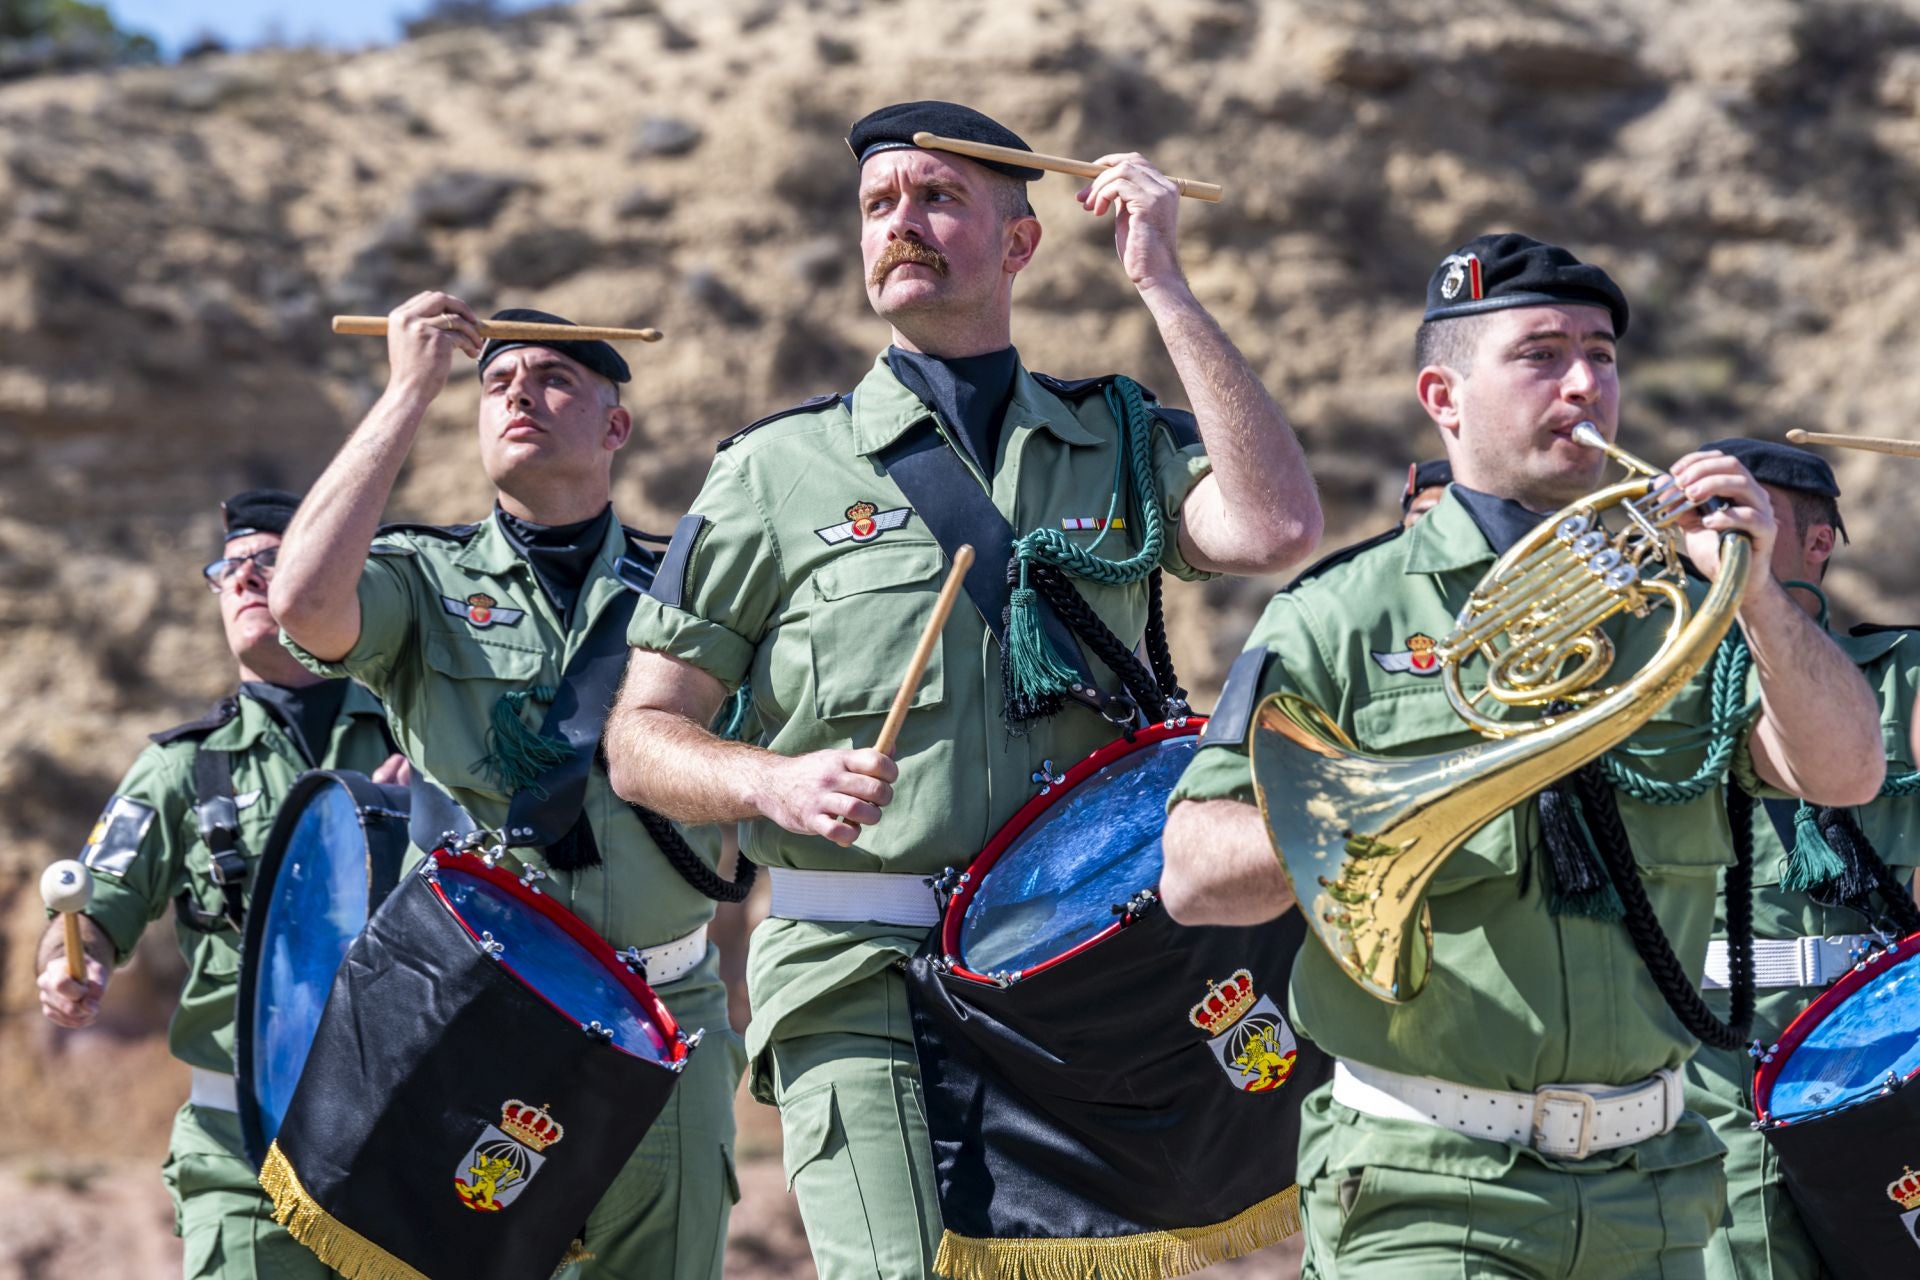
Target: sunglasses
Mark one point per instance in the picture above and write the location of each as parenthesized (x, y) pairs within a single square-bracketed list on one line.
[(221, 573)]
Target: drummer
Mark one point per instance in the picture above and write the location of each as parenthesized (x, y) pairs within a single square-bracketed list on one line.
[(1538, 997), (471, 633), (1804, 941), (149, 849), (811, 563)]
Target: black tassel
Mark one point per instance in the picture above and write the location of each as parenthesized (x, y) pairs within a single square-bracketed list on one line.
[(575, 850), (1863, 873), (1575, 883)]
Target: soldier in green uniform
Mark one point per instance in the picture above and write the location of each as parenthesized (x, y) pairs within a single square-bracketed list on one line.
[(1806, 937), (486, 641), (1523, 1115), (216, 783), (810, 566)]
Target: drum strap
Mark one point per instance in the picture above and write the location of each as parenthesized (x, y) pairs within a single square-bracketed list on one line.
[(218, 818)]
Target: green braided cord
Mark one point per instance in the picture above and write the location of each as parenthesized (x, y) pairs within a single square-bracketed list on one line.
[(1812, 860), (1730, 715), (516, 755), (732, 720), (1906, 784), (1035, 671)]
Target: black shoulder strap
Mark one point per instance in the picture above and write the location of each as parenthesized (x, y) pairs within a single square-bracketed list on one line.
[(1342, 555), (805, 406), (958, 512), (670, 579), (218, 819), (1231, 719), (221, 712)]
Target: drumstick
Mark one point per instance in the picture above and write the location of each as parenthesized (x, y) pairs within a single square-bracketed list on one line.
[(1188, 187), (890, 731), (1872, 444), (512, 330), (67, 887)]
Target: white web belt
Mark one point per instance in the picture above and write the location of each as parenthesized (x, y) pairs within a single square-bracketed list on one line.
[(1791, 962), (879, 897), (1565, 1121)]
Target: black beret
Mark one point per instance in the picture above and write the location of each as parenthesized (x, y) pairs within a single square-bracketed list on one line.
[(1495, 272), (595, 355), (1782, 465), (258, 511), (892, 128), (1422, 476)]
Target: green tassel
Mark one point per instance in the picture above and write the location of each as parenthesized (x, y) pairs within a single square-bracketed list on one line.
[(516, 755), (1811, 862), (1034, 669), (731, 723)]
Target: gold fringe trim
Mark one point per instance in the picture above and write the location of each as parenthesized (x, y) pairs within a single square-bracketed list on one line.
[(576, 1252), (1151, 1255), (332, 1241)]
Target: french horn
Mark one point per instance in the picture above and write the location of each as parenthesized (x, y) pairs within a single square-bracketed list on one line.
[(1360, 836)]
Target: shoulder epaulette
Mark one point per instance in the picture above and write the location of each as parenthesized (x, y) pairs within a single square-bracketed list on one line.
[(1179, 423), (1876, 628), (805, 406), (1343, 555), (450, 532), (222, 713)]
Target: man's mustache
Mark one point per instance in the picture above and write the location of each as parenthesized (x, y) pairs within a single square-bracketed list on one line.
[(899, 252)]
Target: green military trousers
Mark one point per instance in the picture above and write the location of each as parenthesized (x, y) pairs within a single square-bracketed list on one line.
[(854, 1126), (221, 1215), (1425, 1218), (1763, 1237), (665, 1216)]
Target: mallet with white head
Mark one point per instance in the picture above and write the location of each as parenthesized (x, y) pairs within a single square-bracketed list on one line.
[(67, 887)]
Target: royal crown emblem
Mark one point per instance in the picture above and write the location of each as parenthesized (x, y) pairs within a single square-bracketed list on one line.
[(529, 1124), (504, 1158), (1225, 1003), (1905, 1190)]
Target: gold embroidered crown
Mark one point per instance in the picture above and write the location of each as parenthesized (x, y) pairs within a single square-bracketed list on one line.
[(526, 1123), (1225, 1003), (1905, 1190)]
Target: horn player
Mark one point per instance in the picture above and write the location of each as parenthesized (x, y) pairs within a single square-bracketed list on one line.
[(1524, 1115)]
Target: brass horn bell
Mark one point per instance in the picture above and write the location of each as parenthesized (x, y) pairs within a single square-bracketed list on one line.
[(1361, 836)]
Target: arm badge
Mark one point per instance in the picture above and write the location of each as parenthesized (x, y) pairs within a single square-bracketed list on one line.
[(116, 836)]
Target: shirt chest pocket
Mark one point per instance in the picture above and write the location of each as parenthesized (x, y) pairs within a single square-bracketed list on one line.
[(467, 677), (871, 606)]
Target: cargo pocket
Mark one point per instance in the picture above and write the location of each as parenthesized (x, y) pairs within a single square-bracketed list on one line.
[(475, 674), (872, 603), (810, 1130), (732, 1174)]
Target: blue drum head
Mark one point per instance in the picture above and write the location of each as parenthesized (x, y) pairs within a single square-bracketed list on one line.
[(553, 962), (1869, 1035), (1054, 886)]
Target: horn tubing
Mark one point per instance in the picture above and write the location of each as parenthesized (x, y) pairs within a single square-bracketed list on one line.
[(1868, 444), (1189, 187)]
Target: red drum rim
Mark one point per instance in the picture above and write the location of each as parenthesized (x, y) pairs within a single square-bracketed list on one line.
[(955, 912), (1816, 1013), (575, 928)]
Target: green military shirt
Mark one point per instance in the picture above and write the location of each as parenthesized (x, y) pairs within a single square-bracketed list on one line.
[(822, 624), (451, 619), (146, 848), (1518, 997), (1890, 660)]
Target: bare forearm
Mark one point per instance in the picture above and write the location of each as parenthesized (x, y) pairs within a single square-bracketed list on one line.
[(315, 586), (53, 943), (1263, 512), (680, 769), (1819, 732), (1220, 866)]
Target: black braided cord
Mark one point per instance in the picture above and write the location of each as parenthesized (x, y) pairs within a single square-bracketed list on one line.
[(680, 855), (1602, 810), (1159, 653), (1866, 874), (1073, 609)]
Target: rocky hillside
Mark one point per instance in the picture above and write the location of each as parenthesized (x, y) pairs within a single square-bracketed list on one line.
[(177, 237)]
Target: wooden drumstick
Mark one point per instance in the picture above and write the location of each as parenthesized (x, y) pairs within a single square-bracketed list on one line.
[(67, 887), (511, 330), (1872, 444), (922, 652), (1189, 187)]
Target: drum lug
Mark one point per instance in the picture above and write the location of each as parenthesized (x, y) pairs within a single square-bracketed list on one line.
[(492, 946), (1762, 1052), (692, 1038), (600, 1032), (944, 886), (635, 962), (1046, 779), (1136, 906), (532, 874)]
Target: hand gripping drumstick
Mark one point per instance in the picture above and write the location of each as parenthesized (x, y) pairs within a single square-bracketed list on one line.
[(1188, 187), (890, 731), (1872, 444), (67, 887), (512, 330)]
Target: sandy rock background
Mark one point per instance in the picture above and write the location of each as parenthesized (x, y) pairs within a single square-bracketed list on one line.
[(175, 239)]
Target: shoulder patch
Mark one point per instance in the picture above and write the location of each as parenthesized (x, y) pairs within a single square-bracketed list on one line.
[(811, 405), (223, 711), (1876, 628), (115, 839), (1343, 555), (1233, 716), (670, 580)]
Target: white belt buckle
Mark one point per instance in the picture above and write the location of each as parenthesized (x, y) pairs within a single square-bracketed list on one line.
[(1544, 1098)]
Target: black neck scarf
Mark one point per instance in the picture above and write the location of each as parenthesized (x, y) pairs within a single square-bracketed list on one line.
[(306, 713), (1502, 520), (560, 555), (969, 393)]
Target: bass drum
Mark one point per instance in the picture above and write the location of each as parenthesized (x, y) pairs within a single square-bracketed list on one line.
[(333, 855), (1839, 1101)]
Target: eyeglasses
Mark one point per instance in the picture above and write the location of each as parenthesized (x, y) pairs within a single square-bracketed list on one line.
[(221, 573)]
